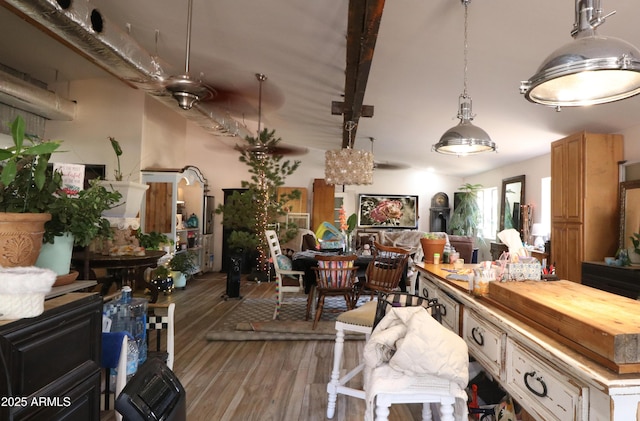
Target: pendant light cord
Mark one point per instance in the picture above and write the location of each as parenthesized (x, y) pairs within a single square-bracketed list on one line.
[(466, 45)]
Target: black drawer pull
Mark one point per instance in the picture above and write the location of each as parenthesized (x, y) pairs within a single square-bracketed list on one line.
[(425, 292), (443, 310), (480, 338), (539, 379)]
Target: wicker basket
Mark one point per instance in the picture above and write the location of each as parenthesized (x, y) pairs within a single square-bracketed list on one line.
[(22, 291)]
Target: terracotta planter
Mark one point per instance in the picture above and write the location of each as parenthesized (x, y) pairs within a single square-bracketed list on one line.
[(21, 238), (429, 247)]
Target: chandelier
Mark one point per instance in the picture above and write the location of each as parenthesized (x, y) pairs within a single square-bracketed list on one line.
[(348, 165), (465, 138)]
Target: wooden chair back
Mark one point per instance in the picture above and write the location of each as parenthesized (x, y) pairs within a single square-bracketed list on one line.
[(385, 271), (274, 246), (335, 272), (388, 300)]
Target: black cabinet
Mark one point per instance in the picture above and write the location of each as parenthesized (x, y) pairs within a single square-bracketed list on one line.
[(53, 361), (619, 280)]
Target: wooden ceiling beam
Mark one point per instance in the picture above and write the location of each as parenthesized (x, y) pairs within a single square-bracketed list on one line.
[(362, 33)]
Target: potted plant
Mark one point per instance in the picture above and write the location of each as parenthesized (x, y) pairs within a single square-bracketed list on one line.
[(132, 192), (153, 240), (27, 188), (183, 266), (432, 242), (75, 221), (249, 213), (161, 278), (466, 215)]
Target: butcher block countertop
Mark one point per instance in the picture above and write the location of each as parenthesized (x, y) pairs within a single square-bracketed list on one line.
[(602, 326)]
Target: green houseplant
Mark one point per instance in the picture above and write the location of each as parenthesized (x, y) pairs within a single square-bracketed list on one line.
[(183, 265), (27, 188), (466, 215), (152, 240), (75, 221), (249, 213), (132, 192)]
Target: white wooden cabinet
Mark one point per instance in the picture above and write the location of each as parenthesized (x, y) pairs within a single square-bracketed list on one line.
[(551, 381), (168, 190)]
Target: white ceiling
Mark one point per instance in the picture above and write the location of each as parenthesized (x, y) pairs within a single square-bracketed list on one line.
[(415, 80)]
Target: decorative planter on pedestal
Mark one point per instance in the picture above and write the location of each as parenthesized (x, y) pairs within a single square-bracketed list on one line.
[(132, 195), (21, 238)]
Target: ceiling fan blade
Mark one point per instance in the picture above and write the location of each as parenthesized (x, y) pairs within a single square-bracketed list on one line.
[(389, 166), (280, 149)]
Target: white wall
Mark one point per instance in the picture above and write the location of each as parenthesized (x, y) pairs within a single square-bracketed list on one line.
[(106, 107)]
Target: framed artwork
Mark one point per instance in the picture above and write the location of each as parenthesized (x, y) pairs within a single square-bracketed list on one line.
[(387, 211)]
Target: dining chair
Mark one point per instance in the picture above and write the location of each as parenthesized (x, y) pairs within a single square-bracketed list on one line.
[(387, 384), (385, 270), (362, 320), (335, 276), (288, 280), (114, 357), (160, 318)]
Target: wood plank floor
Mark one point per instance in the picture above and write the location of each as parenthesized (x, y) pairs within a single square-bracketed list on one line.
[(254, 380)]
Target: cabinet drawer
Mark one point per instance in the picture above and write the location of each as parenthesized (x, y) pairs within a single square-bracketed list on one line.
[(450, 307), (484, 341), (541, 389)]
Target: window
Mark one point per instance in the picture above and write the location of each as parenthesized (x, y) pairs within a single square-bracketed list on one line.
[(488, 204)]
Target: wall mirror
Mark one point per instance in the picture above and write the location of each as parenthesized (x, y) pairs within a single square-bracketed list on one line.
[(511, 199), (629, 215)]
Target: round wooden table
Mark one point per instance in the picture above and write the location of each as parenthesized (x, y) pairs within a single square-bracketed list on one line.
[(121, 269)]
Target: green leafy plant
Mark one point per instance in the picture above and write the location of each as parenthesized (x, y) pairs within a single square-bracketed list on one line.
[(118, 150), (161, 272), (152, 240), (432, 236), (635, 240), (27, 185), (249, 213), (466, 215), (184, 262), (81, 215)]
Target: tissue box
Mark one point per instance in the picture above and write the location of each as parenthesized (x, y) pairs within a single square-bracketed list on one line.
[(523, 271)]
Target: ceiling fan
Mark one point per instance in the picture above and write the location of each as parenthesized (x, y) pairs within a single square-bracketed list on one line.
[(386, 165), (228, 94), (185, 88), (257, 145)]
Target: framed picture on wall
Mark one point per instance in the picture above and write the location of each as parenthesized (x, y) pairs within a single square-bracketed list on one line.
[(388, 211)]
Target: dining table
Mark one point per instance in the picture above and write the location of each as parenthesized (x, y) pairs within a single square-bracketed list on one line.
[(122, 270)]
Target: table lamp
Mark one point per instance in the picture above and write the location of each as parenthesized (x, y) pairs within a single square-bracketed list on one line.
[(537, 231)]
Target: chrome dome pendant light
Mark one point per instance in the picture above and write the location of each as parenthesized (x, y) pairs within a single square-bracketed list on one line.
[(465, 138), (589, 70), (185, 89)]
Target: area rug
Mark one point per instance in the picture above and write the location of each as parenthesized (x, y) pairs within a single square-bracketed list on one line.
[(251, 319)]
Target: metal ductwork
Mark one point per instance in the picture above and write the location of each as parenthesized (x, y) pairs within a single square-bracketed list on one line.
[(23, 95), (84, 29)]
